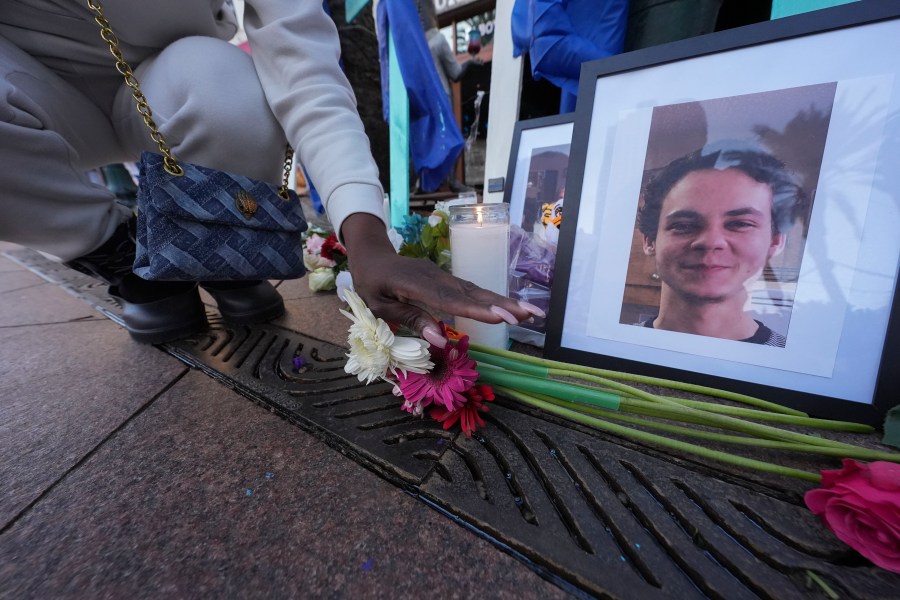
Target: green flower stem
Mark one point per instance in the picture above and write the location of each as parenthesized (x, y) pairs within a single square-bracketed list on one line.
[(651, 438), (858, 452), (512, 364), (813, 578), (540, 371), (578, 393), (667, 383), (624, 388), (726, 422), (735, 411), (497, 376), (762, 415)]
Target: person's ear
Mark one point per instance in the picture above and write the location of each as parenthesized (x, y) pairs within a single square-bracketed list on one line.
[(649, 246), (777, 244)]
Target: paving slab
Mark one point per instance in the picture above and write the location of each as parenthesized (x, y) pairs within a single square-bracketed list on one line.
[(14, 280), (7, 265), (63, 388), (30, 300), (207, 495), (298, 289)]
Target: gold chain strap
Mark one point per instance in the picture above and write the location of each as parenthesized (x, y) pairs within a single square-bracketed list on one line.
[(170, 164), (285, 178)]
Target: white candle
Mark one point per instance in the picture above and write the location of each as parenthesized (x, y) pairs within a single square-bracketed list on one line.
[(386, 209), (479, 251)]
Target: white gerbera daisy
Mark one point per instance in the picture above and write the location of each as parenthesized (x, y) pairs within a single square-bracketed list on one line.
[(375, 350)]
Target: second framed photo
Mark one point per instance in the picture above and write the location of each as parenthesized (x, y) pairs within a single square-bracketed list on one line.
[(732, 213), (538, 167)]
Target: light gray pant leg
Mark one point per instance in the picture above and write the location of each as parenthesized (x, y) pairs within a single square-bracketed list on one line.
[(50, 135), (210, 107)]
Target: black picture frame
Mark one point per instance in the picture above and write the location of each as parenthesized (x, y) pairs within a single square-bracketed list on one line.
[(536, 176), (843, 321)]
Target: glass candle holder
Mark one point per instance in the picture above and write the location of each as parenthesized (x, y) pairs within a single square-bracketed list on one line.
[(479, 252), (466, 198)]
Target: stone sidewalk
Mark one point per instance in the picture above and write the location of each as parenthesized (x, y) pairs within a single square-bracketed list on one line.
[(125, 474)]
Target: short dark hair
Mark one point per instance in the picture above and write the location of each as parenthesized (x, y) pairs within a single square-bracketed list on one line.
[(788, 198)]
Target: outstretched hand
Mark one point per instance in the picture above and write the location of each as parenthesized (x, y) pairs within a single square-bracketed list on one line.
[(390, 284)]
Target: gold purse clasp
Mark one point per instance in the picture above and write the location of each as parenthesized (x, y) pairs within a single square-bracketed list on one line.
[(246, 204)]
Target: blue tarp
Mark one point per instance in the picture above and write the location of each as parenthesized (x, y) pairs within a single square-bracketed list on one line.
[(559, 35), (435, 139)]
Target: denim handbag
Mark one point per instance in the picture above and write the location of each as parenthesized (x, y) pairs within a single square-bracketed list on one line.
[(201, 224), (208, 225)]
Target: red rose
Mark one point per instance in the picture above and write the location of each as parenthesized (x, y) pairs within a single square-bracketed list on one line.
[(861, 505), (330, 246)]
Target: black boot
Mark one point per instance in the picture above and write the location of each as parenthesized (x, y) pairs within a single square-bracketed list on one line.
[(153, 311), (159, 311), (246, 302)]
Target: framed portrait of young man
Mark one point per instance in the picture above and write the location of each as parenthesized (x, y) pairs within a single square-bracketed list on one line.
[(732, 209)]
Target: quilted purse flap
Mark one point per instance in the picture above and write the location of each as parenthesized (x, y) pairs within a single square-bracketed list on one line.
[(211, 196)]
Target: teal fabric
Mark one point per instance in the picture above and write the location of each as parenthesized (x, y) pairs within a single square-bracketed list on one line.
[(786, 8), (352, 8), (399, 128), (434, 137)]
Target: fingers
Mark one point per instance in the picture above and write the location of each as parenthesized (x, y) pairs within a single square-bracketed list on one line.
[(439, 290), (398, 289), (507, 316), (433, 336), (410, 316), (533, 310), (504, 314), (465, 299)]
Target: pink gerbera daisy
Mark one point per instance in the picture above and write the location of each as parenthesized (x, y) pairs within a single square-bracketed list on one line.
[(453, 374), (467, 415)]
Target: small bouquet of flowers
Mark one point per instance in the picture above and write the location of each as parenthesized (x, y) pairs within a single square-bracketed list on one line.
[(427, 238), (441, 381), (324, 258)]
